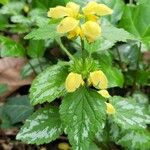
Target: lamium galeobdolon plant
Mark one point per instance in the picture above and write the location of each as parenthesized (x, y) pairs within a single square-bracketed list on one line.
[(86, 108)]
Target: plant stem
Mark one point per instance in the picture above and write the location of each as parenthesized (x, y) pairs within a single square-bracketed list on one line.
[(131, 1), (120, 60), (40, 64), (32, 67), (134, 87), (83, 50), (64, 49)]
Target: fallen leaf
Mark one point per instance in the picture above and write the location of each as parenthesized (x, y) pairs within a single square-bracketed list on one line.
[(10, 75)]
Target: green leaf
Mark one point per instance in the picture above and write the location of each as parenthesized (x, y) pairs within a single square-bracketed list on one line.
[(10, 48), (36, 48), (98, 46), (83, 115), (141, 98), (20, 19), (44, 32), (135, 139), (42, 127), (113, 34), (38, 64), (49, 85), (129, 54), (4, 2), (113, 74), (18, 109), (3, 88), (4, 119), (47, 4), (136, 20), (128, 113), (12, 8)]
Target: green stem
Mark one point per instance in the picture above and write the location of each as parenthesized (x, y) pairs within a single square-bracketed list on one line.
[(134, 87), (131, 1), (83, 50), (40, 64), (32, 67), (64, 49), (120, 60)]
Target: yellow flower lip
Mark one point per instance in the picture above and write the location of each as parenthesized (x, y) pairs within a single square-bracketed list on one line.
[(73, 82), (91, 30), (93, 8), (58, 12), (110, 109), (98, 80), (104, 93), (67, 24)]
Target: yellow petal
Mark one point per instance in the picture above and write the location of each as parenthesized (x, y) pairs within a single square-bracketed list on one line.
[(91, 30), (104, 93), (58, 12), (98, 80), (92, 18), (63, 146), (74, 8), (97, 9), (73, 82), (110, 109), (74, 33), (67, 24)]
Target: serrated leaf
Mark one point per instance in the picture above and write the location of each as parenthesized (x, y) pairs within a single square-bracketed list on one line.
[(113, 34), (135, 139), (10, 48), (83, 114), (49, 85), (43, 32), (136, 20), (18, 109), (42, 127), (99, 45), (12, 8), (128, 114)]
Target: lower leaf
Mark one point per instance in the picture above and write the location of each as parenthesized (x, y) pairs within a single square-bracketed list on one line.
[(83, 114), (43, 126)]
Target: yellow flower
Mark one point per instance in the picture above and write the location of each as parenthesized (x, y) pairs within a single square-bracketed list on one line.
[(110, 109), (67, 24), (58, 12), (63, 146), (91, 30), (70, 12), (73, 82), (71, 19), (98, 80), (104, 93), (94, 8)]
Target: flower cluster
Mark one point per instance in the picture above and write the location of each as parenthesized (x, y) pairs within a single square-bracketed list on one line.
[(80, 23), (97, 79)]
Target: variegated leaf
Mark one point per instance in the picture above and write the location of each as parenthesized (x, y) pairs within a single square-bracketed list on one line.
[(42, 127), (83, 114), (49, 85), (135, 139), (128, 114)]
